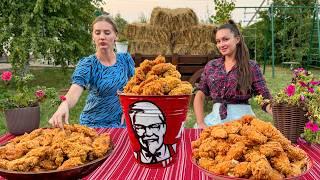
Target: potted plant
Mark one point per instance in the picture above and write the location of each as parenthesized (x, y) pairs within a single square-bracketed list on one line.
[(296, 108), (122, 41), (20, 103), (122, 44)]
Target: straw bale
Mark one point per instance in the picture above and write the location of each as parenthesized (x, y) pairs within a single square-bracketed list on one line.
[(149, 47), (173, 19), (142, 31), (195, 49), (196, 34)]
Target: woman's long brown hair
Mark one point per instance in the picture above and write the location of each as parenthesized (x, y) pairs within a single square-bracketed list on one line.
[(242, 58)]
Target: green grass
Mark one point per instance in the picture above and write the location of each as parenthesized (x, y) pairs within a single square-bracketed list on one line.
[(53, 77)]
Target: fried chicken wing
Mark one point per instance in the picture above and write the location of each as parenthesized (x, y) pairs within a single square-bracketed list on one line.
[(101, 145), (181, 89), (72, 162), (271, 148), (241, 170)]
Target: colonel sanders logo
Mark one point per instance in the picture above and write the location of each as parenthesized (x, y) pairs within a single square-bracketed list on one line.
[(149, 125)]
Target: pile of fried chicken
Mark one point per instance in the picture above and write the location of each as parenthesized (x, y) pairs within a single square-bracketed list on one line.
[(156, 77), (54, 149), (248, 148)]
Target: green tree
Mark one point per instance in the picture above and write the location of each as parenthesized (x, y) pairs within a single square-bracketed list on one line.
[(223, 9), (121, 25), (292, 28), (49, 29)]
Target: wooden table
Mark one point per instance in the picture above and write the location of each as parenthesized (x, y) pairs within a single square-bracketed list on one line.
[(121, 164)]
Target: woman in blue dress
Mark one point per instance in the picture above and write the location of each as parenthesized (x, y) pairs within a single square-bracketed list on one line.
[(103, 74)]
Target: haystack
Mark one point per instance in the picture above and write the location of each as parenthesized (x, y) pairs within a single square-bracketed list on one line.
[(142, 31), (195, 49), (171, 31), (195, 34), (149, 47), (173, 19)]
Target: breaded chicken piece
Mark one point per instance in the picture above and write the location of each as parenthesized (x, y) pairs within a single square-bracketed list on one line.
[(156, 87), (172, 82), (85, 130), (266, 128), (236, 151), (101, 145), (206, 163), (275, 175), (161, 68), (56, 156), (233, 138), (281, 163), (72, 162), (271, 148), (159, 59), (23, 164), (183, 88), (223, 167), (219, 132), (241, 170), (295, 153), (146, 65), (253, 135), (261, 169), (4, 163), (172, 73), (75, 149), (233, 127), (48, 165), (13, 151)]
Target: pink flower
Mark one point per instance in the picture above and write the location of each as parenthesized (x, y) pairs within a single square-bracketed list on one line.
[(6, 76), (315, 128), (40, 94), (312, 126), (311, 90), (302, 97), (303, 84), (309, 125), (290, 90), (63, 98), (315, 83)]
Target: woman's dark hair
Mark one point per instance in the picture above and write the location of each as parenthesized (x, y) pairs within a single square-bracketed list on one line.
[(242, 57), (107, 19)]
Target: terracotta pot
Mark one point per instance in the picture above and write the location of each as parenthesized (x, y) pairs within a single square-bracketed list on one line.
[(22, 120)]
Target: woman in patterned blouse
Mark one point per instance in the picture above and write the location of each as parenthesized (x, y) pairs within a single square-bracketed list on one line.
[(103, 74), (230, 80)]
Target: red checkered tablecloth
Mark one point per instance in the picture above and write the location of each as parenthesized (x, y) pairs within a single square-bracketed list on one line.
[(121, 164)]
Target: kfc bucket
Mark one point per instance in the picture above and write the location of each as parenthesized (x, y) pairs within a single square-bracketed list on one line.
[(155, 124)]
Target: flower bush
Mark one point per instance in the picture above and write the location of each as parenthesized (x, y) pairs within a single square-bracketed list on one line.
[(304, 92), (15, 92)]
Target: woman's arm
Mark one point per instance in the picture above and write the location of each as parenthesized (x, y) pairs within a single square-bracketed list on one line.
[(260, 87), (62, 114), (198, 108)]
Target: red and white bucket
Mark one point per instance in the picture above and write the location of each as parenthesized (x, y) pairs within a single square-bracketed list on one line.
[(155, 124)]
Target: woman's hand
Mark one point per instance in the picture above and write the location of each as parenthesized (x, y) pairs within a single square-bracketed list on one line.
[(269, 109), (202, 125), (61, 116)]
